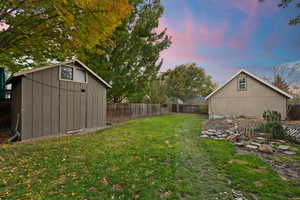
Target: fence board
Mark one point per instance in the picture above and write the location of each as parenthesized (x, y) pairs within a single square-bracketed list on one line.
[(122, 112), (119, 112), (197, 109), (293, 112)]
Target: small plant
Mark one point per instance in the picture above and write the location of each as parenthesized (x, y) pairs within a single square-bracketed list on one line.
[(272, 116), (274, 128), (249, 133)]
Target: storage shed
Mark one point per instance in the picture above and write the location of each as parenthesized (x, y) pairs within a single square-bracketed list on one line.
[(56, 100), (245, 94)]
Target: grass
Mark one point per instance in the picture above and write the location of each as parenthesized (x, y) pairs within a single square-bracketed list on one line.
[(249, 173), (151, 158)]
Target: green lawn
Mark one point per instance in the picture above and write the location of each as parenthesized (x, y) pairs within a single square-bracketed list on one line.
[(151, 158)]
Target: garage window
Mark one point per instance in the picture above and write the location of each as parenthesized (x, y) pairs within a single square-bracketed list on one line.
[(242, 83)]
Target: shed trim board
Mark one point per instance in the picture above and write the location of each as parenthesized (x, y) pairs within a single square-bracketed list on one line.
[(256, 78), (21, 73)]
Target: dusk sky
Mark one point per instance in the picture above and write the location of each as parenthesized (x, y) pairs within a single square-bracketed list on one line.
[(224, 36)]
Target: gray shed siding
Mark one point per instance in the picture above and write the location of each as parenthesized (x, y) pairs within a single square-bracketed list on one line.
[(52, 107), (16, 104)]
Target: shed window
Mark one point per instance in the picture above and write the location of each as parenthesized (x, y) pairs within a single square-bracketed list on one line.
[(70, 73), (66, 73), (80, 76), (242, 83)]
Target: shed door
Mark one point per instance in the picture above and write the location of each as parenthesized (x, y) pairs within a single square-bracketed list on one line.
[(73, 105)]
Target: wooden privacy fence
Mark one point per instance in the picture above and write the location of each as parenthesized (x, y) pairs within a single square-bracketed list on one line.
[(122, 112), (293, 112), (197, 109), (5, 114)]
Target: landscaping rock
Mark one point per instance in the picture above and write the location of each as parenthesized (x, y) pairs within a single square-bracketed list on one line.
[(240, 144), (255, 144), (260, 138), (229, 121), (232, 138), (249, 146), (280, 141), (230, 132), (210, 133), (266, 148), (204, 136), (212, 130), (238, 195), (261, 134), (283, 147), (291, 153)]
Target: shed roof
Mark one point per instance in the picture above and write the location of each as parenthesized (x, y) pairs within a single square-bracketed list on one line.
[(22, 73), (254, 77)]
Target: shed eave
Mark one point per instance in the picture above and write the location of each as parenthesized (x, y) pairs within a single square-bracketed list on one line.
[(21, 73)]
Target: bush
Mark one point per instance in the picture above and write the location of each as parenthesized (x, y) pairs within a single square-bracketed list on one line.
[(274, 128), (272, 116)]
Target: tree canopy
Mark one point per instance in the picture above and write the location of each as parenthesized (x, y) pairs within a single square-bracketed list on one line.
[(286, 75), (156, 92), (187, 80), (285, 3), (134, 59), (33, 31), (280, 83)]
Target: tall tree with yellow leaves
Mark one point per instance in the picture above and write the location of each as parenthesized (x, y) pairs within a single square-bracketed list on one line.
[(33, 31)]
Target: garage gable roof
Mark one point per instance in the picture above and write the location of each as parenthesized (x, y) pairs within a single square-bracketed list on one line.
[(21, 73), (254, 77)]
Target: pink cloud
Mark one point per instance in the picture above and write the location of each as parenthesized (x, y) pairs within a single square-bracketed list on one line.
[(253, 10), (184, 45), (188, 36)]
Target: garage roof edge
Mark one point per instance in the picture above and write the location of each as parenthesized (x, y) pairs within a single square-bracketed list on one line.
[(256, 78)]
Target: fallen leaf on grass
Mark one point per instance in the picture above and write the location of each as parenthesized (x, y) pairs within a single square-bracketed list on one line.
[(164, 193), (60, 180), (238, 161), (258, 183), (136, 196), (117, 187), (92, 189), (105, 180)]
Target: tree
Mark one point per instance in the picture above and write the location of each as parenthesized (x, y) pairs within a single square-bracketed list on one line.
[(156, 92), (33, 31), (134, 60), (285, 3), (280, 83), (286, 75), (187, 80)]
